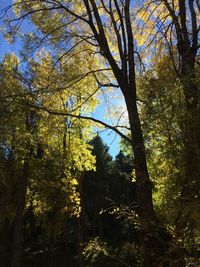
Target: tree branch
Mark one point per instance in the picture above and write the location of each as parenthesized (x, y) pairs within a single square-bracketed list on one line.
[(62, 113)]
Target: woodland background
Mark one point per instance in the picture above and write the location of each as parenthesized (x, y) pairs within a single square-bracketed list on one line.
[(63, 200)]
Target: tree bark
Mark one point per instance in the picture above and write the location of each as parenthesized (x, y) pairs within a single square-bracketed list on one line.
[(154, 248)]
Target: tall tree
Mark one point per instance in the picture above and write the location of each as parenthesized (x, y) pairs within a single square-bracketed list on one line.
[(110, 35), (121, 60), (16, 152), (177, 23), (37, 154), (187, 36)]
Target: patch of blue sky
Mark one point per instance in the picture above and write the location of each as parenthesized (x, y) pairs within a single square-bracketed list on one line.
[(16, 45), (112, 111)]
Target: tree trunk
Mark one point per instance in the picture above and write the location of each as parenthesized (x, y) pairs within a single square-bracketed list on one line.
[(5, 224), (49, 255), (18, 220), (154, 248), (190, 191), (191, 185), (4, 242), (81, 221)]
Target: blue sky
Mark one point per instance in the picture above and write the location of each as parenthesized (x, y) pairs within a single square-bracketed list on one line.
[(109, 137), (5, 47)]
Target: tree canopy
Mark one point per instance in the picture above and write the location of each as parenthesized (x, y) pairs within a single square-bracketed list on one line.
[(57, 176)]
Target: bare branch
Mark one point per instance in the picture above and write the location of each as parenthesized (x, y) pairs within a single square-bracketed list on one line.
[(62, 113)]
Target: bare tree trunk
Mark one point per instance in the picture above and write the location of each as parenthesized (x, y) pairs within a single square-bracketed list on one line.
[(153, 248)]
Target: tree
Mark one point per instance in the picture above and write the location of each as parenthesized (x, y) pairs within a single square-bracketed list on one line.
[(95, 190), (187, 36), (108, 204), (16, 153), (110, 35), (162, 114), (42, 157), (122, 64), (177, 23)]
